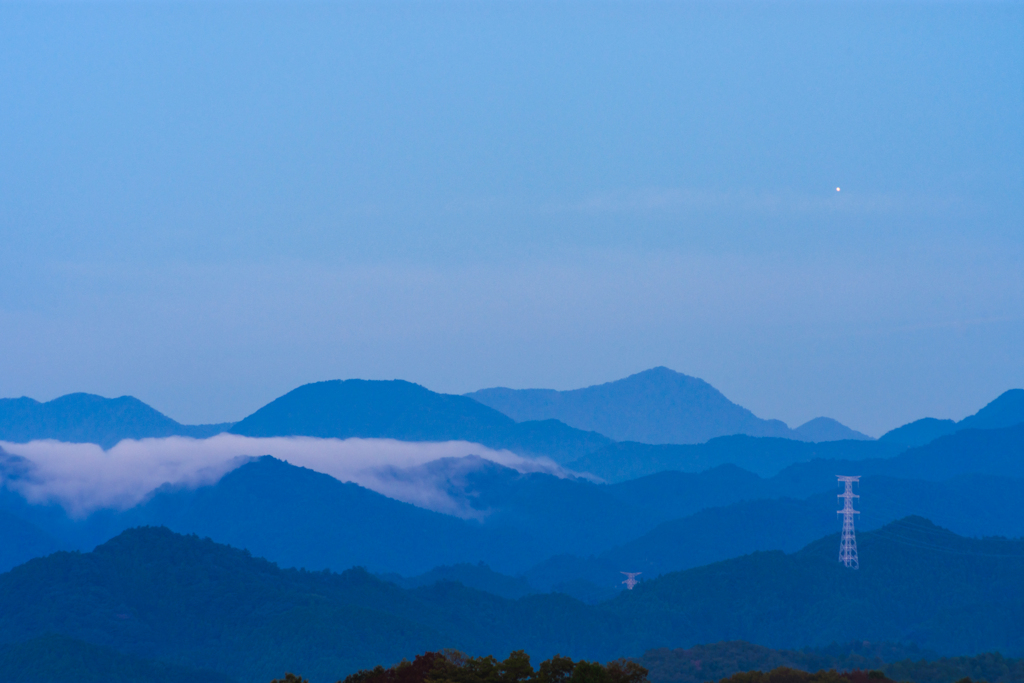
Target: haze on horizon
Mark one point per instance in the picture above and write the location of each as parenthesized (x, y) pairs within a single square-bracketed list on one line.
[(205, 205)]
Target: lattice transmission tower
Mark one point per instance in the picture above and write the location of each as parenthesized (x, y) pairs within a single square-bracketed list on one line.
[(848, 543), (631, 579)]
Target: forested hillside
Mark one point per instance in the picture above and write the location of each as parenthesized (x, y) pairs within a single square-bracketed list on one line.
[(899, 662), (780, 600), (157, 595)]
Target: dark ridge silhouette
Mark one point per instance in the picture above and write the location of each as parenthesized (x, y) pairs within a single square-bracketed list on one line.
[(770, 598), (86, 418), (1005, 411), (153, 594), (402, 410)]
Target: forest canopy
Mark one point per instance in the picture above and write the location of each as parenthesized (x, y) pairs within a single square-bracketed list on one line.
[(452, 666)]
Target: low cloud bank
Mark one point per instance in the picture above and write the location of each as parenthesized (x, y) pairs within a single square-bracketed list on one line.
[(84, 478)]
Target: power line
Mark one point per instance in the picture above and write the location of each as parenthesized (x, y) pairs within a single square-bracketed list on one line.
[(848, 543)]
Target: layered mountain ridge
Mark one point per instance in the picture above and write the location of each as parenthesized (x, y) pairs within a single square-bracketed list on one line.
[(87, 418), (537, 565), (150, 593), (656, 406), (1006, 410), (401, 410), (663, 522)]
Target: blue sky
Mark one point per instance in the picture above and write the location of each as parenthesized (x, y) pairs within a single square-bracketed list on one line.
[(207, 204)]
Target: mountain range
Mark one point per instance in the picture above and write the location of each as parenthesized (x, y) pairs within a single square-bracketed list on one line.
[(649, 401), (408, 412), (657, 406), (553, 531), (930, 573), (972, 505), (666, 508), (86, 418), (616, 430), (156, 595), (734, 538), (992, 431), (1005, 411)]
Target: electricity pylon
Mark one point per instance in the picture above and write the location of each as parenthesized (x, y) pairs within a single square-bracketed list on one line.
[(631, 579), (848, 544)]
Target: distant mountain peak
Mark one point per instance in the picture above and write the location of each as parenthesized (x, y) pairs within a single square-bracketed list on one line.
[(396, 409), (827, 429), (88, 418), (370, 408), (655, 406), (661, 373)]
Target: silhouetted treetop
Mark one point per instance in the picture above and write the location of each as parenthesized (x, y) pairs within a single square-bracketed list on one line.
[(452, 666)]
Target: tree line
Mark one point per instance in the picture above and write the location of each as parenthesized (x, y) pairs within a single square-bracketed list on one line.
[(452, 666)]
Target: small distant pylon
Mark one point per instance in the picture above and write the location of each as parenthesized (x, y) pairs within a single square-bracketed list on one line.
[(631, 579), (848, 543)]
